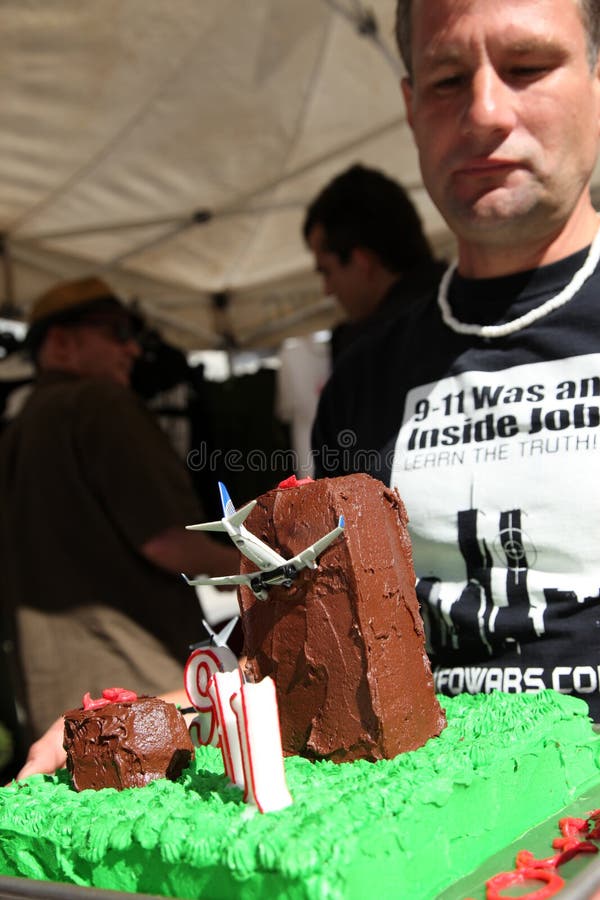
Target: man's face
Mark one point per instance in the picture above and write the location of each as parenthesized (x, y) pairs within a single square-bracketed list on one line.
[(348, 282), (505, 113), (103, 348)]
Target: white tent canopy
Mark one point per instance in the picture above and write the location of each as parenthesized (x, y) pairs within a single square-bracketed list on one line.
[(172, 146)]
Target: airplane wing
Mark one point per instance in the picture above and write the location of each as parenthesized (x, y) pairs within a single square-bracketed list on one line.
[(258, 582), (307, 557), (217, 581)]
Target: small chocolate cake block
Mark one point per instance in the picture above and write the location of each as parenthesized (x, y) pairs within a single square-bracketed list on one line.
[(129, 744), (345, 643)]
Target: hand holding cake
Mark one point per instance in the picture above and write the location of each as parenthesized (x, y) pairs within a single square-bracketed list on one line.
[(47, 754)]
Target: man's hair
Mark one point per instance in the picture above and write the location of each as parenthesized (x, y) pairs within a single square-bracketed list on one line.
[(590, 13), (362, 207)]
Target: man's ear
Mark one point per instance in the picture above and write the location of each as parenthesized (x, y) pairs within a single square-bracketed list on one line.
[(59, 336), (56, 348), (407, 93), (364, 258), (62, 342)]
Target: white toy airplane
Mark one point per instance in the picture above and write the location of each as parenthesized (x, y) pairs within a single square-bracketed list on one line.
[(216, 639), (274, 568)]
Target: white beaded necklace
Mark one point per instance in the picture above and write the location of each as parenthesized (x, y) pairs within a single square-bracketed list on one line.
[(495, 331)]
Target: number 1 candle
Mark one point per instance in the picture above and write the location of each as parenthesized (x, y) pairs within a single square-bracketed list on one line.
[(255, 708)]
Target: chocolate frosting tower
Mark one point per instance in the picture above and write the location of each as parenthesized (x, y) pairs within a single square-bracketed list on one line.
[(345, 643), (129, 744)]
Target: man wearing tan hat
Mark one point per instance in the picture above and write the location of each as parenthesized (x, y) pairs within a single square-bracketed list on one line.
[(93, 504)]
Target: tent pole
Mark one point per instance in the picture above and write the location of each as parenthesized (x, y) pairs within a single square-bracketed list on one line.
[(8, 308)]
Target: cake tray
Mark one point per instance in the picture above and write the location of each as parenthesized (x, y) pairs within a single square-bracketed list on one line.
[(29, 889), (581, 874)]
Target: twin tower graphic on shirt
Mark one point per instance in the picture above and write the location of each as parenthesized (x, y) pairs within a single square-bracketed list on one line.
[(499, 474), (500, 614)]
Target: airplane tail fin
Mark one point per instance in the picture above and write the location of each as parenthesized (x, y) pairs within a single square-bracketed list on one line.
[(226, 501), (242, 514), (235, 517)]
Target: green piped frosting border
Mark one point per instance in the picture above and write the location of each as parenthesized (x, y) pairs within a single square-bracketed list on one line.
[(403, 827)]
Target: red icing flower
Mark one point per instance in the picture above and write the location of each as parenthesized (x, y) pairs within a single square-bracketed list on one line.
[(573, 841), (526, 860), (109, 695), (119, 695), (572, 826), (292, 482), (574, 830), (570, 848), (552, 883)]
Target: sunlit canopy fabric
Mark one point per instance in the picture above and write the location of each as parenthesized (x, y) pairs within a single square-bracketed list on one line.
[(172, 146)]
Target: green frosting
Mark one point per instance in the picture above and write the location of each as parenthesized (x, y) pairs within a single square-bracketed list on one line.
[(403, 827)]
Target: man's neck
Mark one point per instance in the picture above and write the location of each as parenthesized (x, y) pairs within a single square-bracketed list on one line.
[(384, 285), (487, 260), (379, 286)]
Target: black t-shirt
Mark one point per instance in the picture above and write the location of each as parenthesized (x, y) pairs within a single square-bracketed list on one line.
[(493, 445)]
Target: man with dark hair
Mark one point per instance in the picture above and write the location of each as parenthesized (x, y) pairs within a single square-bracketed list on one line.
[(93, 506), (484, 408), (369, 247)]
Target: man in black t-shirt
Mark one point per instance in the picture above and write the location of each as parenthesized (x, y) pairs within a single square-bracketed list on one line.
[(484, 409)]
